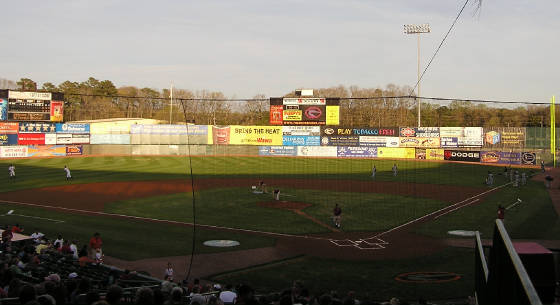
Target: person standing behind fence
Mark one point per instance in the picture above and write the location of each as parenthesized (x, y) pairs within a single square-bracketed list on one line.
[(395, 169)]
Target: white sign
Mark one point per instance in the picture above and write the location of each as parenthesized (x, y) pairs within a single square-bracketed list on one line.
[(317, 151), (13, 151), (301, 130), (304, 101), (19, 95), (62, 138), (50, 138)]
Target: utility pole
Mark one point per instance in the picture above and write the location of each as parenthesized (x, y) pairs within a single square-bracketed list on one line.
[(417, 29)]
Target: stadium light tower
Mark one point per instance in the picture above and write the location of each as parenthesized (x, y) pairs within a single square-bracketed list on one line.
[(417, 29)]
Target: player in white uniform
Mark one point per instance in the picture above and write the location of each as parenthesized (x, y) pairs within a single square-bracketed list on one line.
[(67, 170), (12, 171), (373, 171), (395, 169)]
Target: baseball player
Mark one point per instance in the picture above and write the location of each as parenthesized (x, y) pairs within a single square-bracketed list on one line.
[(542, 166), (276, 194), (395, 169), (12, 171), (490, 179), (67, 170), (337, 215), (523, 178), (373, 171)]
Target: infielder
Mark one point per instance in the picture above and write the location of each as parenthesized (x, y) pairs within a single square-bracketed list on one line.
[(395, 169), (67, 170), (12, 171), (490, 179)]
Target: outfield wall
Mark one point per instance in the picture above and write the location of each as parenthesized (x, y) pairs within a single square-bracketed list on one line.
[(499, 145)]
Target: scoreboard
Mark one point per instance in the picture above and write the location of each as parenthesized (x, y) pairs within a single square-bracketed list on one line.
[(31, 106), (304, 111)]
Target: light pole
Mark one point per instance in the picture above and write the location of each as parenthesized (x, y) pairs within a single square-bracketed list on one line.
[(417, 29)]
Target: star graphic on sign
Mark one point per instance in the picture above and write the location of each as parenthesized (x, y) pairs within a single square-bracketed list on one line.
[(45, 127)]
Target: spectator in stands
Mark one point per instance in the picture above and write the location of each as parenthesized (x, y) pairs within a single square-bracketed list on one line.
[(95, 243), (43, 246), (17, 228), (7, 235), (59, 240), (27, 294), (65, 249), (46, 299), (114, 295), (37, 236), (78, 296), (196, 297), (246, 295), (228, 296), (213, 300), (501, 212), (74, 250), (176, 296), (144, 296)]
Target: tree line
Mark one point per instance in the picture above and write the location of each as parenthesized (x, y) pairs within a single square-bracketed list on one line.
[(375, 107)]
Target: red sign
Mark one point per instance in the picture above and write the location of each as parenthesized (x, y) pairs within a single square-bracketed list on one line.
[(276, 114), (31, 139), (57, 111), (9, 128)]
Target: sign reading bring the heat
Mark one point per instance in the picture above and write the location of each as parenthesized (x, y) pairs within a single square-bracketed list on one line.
[(304, 111)]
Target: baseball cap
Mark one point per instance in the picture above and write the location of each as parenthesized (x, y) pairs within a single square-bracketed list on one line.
[(72, 275), (217, 286)]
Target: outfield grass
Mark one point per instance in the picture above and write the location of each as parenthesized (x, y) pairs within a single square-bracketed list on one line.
[(33, 173)]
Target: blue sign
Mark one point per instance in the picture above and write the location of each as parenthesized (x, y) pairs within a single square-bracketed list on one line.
[(72, 128), (277, 151), (449, 142), (8, 139), (3, 109), (356, 152), (191, 130), (301, 140)]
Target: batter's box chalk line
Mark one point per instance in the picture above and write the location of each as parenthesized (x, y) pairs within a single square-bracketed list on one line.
[(371, 243)]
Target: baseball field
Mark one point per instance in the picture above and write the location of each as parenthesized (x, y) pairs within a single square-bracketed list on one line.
[(394, 239)]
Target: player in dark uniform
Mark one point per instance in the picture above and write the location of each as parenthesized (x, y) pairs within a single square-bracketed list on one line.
[(337, 215)]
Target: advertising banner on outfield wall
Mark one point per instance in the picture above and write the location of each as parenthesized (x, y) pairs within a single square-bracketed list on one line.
[(356, 152), (31, 139), (421, 153), (74, 150), (46, 151), (419, 142), (277, 151), (340, 140), (423, 132), (50, 138), (8, 139), (434, 154), (57, 111), (461, 155), (396, 152), (378, 141), (36, 127), (167, 129), (109, 139), (528, 158), (13, 151), (80, 139), (500, 157), (351, 131), (449, 142), (9, 128), (466, 136), (301, 130), (316, 151), (72, 128), (249, 135), (3, 109), (63, 138), (504, 137), (301, 140)]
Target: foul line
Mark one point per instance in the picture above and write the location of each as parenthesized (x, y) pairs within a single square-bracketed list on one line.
[(162, 220), (442, 209)]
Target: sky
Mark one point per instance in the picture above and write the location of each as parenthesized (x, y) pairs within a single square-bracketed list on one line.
[(507, 50)]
